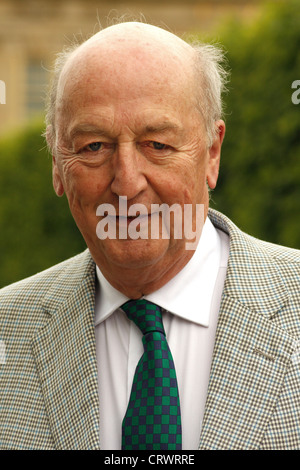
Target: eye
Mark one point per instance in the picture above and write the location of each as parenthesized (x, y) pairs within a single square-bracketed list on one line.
[(158, 145), (94, 146)]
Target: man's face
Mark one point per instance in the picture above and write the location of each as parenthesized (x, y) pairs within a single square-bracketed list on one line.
[(128, 127)]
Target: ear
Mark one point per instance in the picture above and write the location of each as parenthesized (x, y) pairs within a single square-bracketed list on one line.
[(215, 155), (56, 178)]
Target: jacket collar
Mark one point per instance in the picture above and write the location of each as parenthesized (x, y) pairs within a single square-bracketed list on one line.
[(252, 275)]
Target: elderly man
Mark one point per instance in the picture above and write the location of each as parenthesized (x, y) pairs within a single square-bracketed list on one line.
[(134, 124)]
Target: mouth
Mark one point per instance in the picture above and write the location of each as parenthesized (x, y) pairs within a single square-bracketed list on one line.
[(127, 219)]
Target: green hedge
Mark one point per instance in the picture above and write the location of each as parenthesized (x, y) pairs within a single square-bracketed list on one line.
[(259, 184), (36, 228)]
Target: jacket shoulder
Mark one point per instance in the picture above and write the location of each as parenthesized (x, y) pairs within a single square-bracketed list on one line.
[(65, 274), (263, 276), (254, 245)]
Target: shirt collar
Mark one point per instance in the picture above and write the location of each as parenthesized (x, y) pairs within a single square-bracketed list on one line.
[(187, 295)]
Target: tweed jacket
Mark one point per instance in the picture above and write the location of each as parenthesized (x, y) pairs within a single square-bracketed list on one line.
[(48, 371)]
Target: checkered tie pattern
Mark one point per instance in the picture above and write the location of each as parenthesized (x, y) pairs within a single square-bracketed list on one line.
[(152, 420)]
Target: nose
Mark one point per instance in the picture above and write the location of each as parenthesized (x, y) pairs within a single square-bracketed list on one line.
[(129, 179)]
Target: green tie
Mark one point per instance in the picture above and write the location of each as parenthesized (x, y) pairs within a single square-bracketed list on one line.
[(152, 420)]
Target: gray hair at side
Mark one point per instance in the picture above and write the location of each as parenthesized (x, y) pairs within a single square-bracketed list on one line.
[(210, 83), (211, 80)]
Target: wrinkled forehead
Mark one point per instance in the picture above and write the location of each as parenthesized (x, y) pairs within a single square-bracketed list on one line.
[(136, 52)]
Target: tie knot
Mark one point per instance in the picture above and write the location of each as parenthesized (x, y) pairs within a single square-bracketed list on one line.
[(146, 315)]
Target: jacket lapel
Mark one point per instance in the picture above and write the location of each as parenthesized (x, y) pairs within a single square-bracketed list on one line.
[(65, 356), (251, 353)]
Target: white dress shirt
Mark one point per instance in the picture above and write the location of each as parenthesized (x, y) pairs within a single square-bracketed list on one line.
[(190, 303)]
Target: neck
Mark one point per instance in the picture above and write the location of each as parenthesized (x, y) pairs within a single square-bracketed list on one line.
[(140, 281)]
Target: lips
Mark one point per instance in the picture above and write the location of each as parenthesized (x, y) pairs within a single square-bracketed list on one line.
[(130, 218)]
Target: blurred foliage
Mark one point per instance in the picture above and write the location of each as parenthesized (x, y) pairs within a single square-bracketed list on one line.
[(259, 184), (36, 228)]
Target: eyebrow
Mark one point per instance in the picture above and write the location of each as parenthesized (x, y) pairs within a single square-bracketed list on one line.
[(85, 128), (160, 127)]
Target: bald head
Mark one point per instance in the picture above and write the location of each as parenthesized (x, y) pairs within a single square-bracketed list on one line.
[(135, 46), (122, 48), (139, 34)]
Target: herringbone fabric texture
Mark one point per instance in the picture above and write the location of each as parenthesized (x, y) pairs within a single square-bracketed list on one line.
[(153, 419)]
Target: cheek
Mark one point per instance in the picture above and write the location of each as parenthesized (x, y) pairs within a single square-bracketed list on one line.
[(84, 185), (186, 185)]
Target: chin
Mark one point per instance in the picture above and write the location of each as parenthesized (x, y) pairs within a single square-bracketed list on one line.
[(134, 253)]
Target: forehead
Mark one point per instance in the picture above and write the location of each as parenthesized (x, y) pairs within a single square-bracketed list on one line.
[(127, 84), (114, 66)]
